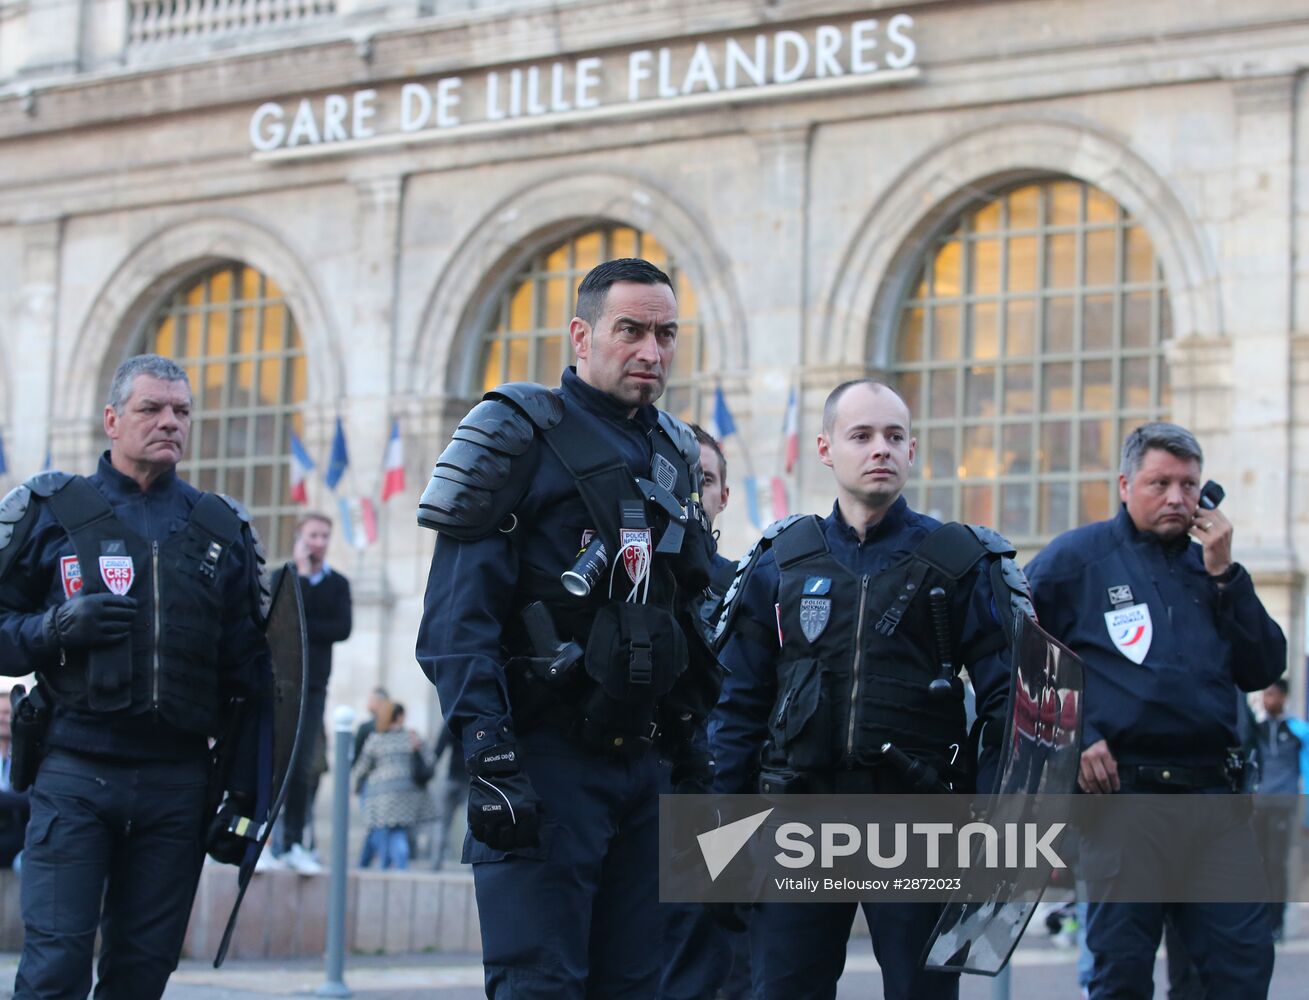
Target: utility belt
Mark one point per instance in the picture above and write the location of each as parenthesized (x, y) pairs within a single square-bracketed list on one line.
[(890, 771), (606, 696), (1166, 778)]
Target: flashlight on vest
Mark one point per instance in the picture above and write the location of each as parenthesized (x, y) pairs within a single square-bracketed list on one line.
[(942, 685)]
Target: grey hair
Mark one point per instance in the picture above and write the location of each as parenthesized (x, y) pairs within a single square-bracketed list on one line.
[(1175, 440), (154, 365)]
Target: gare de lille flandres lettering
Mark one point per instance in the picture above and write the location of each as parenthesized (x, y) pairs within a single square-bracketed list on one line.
[(824, 52)]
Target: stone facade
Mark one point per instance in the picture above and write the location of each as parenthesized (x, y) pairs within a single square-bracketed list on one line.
[(798, 210)]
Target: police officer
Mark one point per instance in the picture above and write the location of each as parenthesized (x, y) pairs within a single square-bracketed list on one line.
[(702, 959), (135, 599), (563, 689), (1165, 624), (830, 655)]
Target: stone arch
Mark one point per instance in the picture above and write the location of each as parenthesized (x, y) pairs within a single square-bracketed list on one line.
[(156, 265), (445, 353), (860, 305)]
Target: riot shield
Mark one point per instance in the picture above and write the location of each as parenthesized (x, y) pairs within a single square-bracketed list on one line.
[(981, 925), (281, 724)]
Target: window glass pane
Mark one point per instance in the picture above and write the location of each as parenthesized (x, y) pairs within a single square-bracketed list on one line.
[(1100, 257), (1059, 326), (520, 310), (1065, 203), (1093, 502), (1136, 319), (986, 267), (1100, 207), (940, 503), (549, 359), (1098, 322), (1061, 260), (1139, 257), (1056, 446), (946, 278), (555, 314), (586, 250), (979, 392), (945, 336), (985, 331), (910, 387), (1022, 264), (943, 394), (987, 218), (1057, 387), (978, 460), (1016, 511), (1135, 394), (518, 354), (1097, 386), (1020, 328), (939, 461), (622, 243), (1019, 394), (1016, 449), (979, 506), (1098, 446), (911, 336), (1024, 206), (1056, 504)]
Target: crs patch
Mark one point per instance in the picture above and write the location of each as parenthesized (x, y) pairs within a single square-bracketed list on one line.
[(815, 613), (1131, 630), (70, 575), (118, 573)]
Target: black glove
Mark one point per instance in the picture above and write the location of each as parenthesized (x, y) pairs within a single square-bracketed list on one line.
[(504, 811), (693, 774), (90, 620), (226, 842)]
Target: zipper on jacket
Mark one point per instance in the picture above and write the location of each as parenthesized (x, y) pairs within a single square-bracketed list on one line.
[(854, 673), (154, 581)]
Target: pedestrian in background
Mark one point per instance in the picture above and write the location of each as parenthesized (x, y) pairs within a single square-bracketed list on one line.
[(396, 801), (1281, 738)]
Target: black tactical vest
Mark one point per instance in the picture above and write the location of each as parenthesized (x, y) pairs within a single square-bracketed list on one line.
[(173, 653), (858, 653)]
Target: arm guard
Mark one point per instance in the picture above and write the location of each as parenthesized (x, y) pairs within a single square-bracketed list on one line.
[(485, 469)]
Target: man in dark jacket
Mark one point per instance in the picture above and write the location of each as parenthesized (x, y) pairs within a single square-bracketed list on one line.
[(136, 600), (1165, 625), (326, 595)]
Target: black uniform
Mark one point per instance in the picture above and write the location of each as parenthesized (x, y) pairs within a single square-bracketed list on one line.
[(830, 656), (531, 478), (121, 803), (1162, 644)]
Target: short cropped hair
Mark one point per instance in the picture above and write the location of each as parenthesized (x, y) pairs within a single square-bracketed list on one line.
[(1175, 440), (834, 398), (594, 289), (154, 365), (710, 442), (313, 515)]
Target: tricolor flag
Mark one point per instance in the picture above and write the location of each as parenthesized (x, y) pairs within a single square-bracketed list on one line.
[(780, 506), (752, 502), (347, 521), (3, 465), (791, 431), (393, 478), (723, 425), (301, 466), (339, 459), (367, 522)]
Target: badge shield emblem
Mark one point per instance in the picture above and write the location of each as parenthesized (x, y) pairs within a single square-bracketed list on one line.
[(1131, 630), (118, 573), (70, 575), (635, 544), (815, 613)]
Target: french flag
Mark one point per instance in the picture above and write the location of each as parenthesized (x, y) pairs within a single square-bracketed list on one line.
[(393, 479), (791, 431), (301, 466)]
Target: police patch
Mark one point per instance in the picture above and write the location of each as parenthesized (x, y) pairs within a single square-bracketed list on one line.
[(635, 545), (118, 573), (818, 585), (70, 575), (815, 613), (1120, 595), (1131, 630)]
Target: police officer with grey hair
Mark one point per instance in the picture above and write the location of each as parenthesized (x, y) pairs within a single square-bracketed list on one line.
[(136, 600), (1165, 623)]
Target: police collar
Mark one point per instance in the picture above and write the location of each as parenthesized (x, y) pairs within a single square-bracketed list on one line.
[(890, 522), (126, 484), (1127, 528), (604, 405)]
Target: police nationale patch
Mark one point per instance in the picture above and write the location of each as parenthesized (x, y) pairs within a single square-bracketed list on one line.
[(70, 575), (1131, 630), (1120, 595), (636, 545), (817, 586), (815, 613), (118, 573)]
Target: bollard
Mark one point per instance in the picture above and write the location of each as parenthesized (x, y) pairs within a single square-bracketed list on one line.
[(1000, 984), (343, 726)]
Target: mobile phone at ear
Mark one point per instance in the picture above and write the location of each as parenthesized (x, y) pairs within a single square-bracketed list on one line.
[(1211, 495)]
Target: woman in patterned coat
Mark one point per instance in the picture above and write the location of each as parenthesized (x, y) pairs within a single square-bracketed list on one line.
[(396, 801)]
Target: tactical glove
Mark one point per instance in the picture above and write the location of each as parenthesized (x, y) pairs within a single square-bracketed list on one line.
[(693, 773), (90, 620), (504, 811), (231, 831)]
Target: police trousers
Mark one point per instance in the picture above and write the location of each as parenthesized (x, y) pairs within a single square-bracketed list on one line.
[(115, 845), (577, 916)]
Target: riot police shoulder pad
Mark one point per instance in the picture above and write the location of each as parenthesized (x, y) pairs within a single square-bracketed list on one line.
[(13, 522), (260, 596), (993, 540), (486, 468), (541, 406), (237, 507), (778, 526), (46, 484), (682, 436)]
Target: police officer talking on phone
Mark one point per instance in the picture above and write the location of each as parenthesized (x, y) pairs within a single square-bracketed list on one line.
[(1165, 623), (136, 600)]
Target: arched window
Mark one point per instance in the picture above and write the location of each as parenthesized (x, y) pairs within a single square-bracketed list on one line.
[(232, 331), (1031, 342), (528, 337)]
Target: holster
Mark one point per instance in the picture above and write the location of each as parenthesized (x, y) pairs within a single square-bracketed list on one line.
[(30, 723)]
